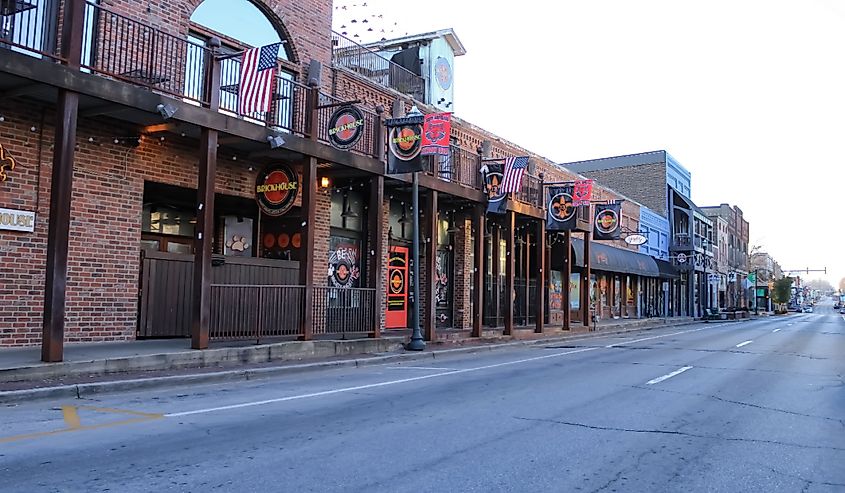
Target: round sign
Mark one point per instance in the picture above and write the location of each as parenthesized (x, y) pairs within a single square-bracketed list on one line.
[(606, 221), (682, 258), (636, 239), (397, 282), (561, 208), (345, 127), (443, 73), (405, 141), (275, 190)]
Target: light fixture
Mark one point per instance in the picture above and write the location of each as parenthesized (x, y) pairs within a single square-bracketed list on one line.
[(275, 141), (348, 213), (166, 110), (2, 118), (324, 182)]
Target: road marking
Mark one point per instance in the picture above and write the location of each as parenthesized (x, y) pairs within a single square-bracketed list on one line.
[(668, 375), (776, 330), (420, 368), (654, 337), (403, 380), (744, 343), (71, 417)]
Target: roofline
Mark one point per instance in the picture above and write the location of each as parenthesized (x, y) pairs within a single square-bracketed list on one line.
[(448, 34)]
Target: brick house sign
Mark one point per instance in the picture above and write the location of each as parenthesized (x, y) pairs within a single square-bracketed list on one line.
[(15, 220)]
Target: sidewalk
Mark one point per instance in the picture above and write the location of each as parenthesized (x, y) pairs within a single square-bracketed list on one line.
[(104, 367)]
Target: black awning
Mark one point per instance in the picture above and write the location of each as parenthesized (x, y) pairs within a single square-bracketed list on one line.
[(667, 270), (611, 259)]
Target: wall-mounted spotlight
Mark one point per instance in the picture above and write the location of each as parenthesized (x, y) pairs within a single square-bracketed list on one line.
[(324, 182), (167, 110), (275, 141)]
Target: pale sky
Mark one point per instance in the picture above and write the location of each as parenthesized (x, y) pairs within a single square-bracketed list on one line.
[(749, 95)]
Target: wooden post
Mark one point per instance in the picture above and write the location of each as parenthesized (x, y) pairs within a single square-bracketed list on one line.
[(509, 271), (204, 231), (306, 265), (540, 310), (623, 296), (376, 229), (585, 282), (567, 275), (478, 273), (430, 234), (61, 190), (526, 269)]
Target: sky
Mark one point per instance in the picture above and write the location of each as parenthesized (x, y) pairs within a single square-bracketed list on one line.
[(749, 95)]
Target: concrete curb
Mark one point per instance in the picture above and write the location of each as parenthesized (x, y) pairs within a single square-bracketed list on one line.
[(82, 390)]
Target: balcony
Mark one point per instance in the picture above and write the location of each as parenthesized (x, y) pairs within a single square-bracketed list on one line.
[(368, 63), (682, 242), (461, 166)]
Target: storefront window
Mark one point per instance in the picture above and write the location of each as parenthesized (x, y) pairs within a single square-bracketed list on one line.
[(347, 210), (168, 221), (400, 221)]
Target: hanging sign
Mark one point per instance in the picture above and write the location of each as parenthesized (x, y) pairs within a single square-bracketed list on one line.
[(7, 163), (345, 127), (437, 129), (404, 144), (582, 192), (15, 220), (636, 239), (493, 176), (275, 189), (607, 225), (560, 207), (682, 258)]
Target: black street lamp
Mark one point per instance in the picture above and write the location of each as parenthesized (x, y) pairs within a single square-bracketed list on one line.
[(417, 342)]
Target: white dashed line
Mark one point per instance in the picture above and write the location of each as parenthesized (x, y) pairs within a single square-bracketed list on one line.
[(776, 330), (744, 343), (668, 375)]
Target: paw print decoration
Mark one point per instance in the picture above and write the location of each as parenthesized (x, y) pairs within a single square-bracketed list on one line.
[(237, 244)]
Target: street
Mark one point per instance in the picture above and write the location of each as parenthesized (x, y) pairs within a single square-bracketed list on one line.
[(748, 406)]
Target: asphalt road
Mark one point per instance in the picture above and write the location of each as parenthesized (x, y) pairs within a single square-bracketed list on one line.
[(752, 406)]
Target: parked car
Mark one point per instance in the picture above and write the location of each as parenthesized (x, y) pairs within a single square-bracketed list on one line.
[(842, 310), (808, 309)]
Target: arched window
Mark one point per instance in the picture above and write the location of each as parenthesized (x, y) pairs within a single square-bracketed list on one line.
[(240, 24)]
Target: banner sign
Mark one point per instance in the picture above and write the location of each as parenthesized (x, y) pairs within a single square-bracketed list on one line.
[(345, 127), (496, 199), (275, 189), (560, 215), (437, 128), (607, 222), (582, 192), (404, 144), (15, 220)]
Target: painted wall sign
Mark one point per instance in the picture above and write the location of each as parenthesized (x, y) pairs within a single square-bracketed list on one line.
[(345, 127), (7, 163), (275, 189), (15, 220), (444, 73), (344, 270), (636, 239)]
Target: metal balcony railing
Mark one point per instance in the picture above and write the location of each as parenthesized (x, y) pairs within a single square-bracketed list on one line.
[(363, 61), (30, 26), (461, 166)]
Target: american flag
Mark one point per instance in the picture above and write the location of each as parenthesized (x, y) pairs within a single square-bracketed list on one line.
[(514, 169), (258, 69)]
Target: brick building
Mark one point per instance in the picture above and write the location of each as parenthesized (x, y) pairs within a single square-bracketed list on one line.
[(161, 209), (738, 292)]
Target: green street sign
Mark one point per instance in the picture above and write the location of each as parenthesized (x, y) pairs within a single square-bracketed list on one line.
[(752, 277)]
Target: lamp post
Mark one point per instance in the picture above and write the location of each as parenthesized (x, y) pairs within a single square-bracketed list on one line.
[(756, 312), (417, 342)]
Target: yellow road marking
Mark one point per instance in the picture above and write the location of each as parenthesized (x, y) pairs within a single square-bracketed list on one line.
[(71, 417)]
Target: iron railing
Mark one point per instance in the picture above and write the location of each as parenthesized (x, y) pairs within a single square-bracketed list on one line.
[(288, 107), (125, 49), (531, 191), (344, 310), (461, 166), (30, 26), (367, 144), (255, 311), (363, 61)]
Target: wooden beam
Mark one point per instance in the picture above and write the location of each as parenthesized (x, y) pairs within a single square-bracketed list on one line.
[(540, 307), (478, 271), (103, 109), (375, 214), (306, 265), (509, 271), (203, 239), (430, 237)]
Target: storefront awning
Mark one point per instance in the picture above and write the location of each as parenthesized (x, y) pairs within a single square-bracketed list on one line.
[(612, 259), (667, 270)]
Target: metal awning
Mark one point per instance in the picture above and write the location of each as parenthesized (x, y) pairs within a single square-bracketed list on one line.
[(612, 259), (667, 270)]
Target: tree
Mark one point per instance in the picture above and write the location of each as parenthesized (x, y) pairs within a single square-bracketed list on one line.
[(782, 290)]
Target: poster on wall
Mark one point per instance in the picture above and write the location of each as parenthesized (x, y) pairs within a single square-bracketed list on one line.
[(437, 129), (555, 291), (344, 263), (492, 173), (237, 233), (575, 291)]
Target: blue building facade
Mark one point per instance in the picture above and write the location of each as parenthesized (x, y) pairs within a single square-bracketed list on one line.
[(656, 230)]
